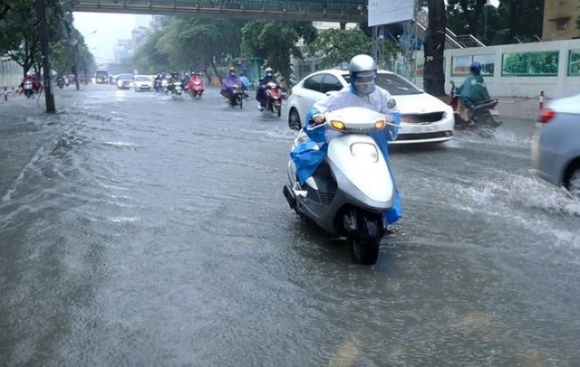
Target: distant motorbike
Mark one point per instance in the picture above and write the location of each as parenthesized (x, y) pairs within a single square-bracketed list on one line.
[(60, 82), (158, 86), (273, 98), (485, 117), (236, 96), (196, 86), (176, 89), (28, 88), (165, 86)]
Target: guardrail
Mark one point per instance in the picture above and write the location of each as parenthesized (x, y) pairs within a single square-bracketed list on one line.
[(307, 10)]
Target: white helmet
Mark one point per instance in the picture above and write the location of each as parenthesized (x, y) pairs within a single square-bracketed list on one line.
[(363, 71)]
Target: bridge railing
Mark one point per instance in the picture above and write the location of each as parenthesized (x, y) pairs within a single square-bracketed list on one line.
[(331, 10)]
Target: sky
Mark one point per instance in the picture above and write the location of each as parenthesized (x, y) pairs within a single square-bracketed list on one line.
[(109, 28)]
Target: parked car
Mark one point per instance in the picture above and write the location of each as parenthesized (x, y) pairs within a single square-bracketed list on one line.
[(124, 81), (142, 83), (556, 144), (426, 119)]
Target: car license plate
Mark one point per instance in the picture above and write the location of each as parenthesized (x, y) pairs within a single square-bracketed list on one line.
[(494, 112), (425, 129)]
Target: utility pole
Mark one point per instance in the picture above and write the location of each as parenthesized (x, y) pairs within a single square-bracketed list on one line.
[(41, 14)]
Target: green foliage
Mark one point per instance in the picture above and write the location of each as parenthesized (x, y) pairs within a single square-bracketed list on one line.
[(471, 11), (21, 40), (391, 51), (183, 42), (276, 42), (578, 19), (147, 60), (62, 54), (336, 46), (512, 18)]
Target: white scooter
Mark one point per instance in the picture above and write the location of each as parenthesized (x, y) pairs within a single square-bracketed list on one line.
[(177, 89), (352, 188)]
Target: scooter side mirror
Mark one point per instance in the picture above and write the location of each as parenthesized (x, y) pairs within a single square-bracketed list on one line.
[(391, 104)]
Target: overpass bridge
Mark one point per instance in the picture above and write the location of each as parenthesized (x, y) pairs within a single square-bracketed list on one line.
[(342, 11)]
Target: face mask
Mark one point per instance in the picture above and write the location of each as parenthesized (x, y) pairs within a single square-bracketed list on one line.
[(269, 74), (365, 85), (232, 73)]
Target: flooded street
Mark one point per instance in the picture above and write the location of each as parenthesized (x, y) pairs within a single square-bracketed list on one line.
[(137, 230)]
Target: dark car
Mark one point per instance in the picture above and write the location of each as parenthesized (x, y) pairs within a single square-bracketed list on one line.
[(124, 81)]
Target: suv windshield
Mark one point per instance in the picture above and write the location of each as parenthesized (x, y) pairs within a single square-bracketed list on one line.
[(142, 79), (126, 77), (393, 83)]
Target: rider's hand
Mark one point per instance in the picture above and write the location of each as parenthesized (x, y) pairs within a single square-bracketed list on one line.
[(318, 119), (388, 118)]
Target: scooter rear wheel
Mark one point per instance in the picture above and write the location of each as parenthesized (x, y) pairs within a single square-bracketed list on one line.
[(364, 244)]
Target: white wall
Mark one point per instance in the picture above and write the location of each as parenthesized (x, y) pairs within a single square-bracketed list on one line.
[(10, 74), (519, 86)]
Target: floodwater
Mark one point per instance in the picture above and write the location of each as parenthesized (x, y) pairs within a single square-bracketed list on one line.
[(140, 230)]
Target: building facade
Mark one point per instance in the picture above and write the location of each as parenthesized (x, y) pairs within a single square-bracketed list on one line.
[(560, 18)]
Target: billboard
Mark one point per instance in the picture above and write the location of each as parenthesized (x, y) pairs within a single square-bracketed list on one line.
[(544, 63), (460, 65), (390, 11)]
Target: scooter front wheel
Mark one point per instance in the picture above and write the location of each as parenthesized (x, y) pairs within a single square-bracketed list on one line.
[(364, 244)]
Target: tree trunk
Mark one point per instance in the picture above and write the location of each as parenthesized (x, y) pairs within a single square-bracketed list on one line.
[(473, 16), (434, 74), (216, 73), (513, 20)]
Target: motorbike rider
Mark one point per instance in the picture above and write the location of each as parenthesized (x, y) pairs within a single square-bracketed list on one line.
[(261, 91), (157, 82), (185, 80), (174, 78), (229, 81), (245, 83), (362, 92), (472, 92), (32, 79)]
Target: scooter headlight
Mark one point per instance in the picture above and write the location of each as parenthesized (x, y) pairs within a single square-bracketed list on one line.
[(338, 125), (364, 151)]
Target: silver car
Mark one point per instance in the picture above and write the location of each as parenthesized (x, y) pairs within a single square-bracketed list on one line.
[(556, 144)]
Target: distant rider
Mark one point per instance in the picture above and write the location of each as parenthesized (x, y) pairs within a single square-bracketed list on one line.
[(261, 91), (185, 80), (472, 92), (245, 82), (172, 80), (229, 82), (362, 92)]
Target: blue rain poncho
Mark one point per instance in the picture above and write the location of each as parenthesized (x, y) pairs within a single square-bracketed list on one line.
[(310, 153)]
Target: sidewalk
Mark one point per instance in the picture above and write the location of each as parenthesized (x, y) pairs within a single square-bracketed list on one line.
[(520, 108)]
